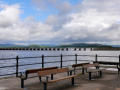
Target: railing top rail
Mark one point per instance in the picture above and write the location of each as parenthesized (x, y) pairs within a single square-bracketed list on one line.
[(7, 58), (20, 58), (52, 56), (87, 55), (109, 56), (58, 56), (30, 57), (68, 55)]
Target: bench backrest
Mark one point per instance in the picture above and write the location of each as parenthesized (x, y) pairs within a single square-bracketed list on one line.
[(91, 65), (78, 65), (53, 71), (30, 71)]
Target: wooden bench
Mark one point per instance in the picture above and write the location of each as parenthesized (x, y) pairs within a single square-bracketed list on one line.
[(32, 71), (91, 65), (55, 71), (98, 71), (86, 66), (95, 70), (116, 65), (78, 65)]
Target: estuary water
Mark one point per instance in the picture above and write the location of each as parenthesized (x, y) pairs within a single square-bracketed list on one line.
[(35, 53)]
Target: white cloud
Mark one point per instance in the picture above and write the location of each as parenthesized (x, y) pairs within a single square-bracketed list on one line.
[(96, 22), (89, 21), (9, 15), (9, 23), (14, 29)]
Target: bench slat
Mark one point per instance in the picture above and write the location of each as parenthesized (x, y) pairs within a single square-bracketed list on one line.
[(53, 71), (94, 70), (78, 65), (91, 65), (63, 78), (40, 69)]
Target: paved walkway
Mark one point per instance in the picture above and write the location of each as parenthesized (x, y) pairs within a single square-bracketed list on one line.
[(109, 81)]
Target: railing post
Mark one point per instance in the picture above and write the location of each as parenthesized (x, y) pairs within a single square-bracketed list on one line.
[(17, 65), (75, 58), (96, 57), (119, 60), (42, 61), (118, 66), (61, 60)]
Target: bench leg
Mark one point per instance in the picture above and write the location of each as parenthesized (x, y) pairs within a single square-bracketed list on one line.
[(72, 79), (100, 73), (22, 83), (118, 71), (97, 67), (51, 76), (74, 70), (89, 75), (70, 72), (86, 70), (83, 70), (45, 86), (40, 79)]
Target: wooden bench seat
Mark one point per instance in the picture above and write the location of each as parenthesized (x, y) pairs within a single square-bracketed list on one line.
[(55, 71), (93, 70), (32, 71), (56, 80), (91, 65), (78, 65)]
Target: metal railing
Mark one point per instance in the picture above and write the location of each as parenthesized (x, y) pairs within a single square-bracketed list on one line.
[(42, 63)]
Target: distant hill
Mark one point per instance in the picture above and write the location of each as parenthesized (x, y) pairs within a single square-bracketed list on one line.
[(79, 45), (10, 45), (85, 45), (21, 46), (116, 46), (36, 46)]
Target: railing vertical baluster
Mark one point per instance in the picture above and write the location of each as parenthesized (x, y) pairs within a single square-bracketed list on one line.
[(61, 60), (42, 61), (75, 58), (17, 65), (96, 57)]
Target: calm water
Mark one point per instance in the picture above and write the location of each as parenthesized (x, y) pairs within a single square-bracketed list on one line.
[(13, 54)]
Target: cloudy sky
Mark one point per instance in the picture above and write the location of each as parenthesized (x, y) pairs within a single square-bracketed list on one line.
[(59, 21)]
